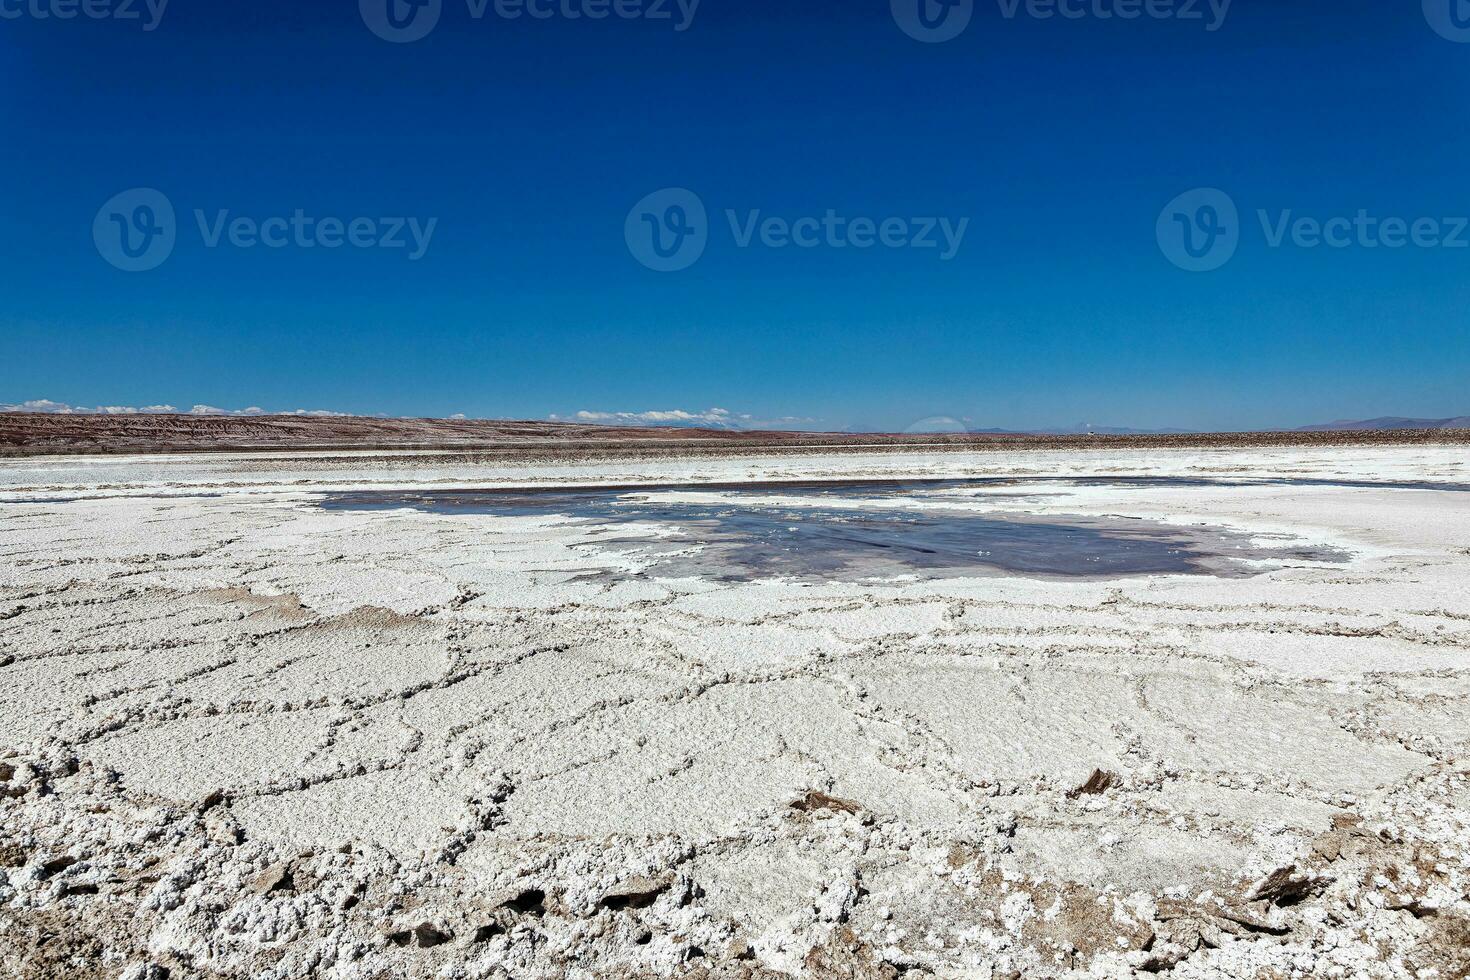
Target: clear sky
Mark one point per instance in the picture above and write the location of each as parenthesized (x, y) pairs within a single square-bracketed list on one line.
[(528, 142)]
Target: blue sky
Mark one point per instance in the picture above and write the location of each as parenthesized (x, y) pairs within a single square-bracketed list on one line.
[(527, 142)]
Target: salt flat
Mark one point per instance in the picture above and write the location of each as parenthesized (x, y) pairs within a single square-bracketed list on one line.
[(247, 734)]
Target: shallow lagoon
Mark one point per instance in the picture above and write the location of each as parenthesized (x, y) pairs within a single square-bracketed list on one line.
[(872, 529)]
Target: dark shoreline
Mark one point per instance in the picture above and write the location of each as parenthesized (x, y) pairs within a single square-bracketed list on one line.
[(32, 434)]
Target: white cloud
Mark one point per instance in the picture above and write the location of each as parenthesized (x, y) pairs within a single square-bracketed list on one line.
[(48, 407), (40, 405), (256, 410), (146, 410), (715, 416)]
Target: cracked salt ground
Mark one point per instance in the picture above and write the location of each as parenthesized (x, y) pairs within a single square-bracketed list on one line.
[(248, 737)]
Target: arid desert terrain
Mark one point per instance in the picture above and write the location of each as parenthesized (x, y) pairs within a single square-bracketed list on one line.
[(1140, 709)]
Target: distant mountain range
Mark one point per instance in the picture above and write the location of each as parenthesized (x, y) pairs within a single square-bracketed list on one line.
[(947, 426), (1385, 424), (1082, 429), (1388, 423)]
